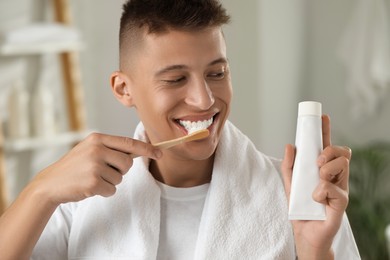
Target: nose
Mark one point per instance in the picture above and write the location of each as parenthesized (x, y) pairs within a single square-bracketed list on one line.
[(199, 95)]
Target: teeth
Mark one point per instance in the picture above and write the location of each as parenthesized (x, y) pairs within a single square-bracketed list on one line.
[(191, 126)]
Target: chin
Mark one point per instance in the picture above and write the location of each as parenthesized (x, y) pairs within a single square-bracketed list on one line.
[(196, 151), (203, 156)]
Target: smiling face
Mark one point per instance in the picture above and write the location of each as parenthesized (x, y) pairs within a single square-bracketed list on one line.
[(178, 81)]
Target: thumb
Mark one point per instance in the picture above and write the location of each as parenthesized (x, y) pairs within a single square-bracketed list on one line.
[(287, 167)]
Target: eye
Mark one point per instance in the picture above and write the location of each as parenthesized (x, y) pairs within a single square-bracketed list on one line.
[(175, 80), (218, 75)]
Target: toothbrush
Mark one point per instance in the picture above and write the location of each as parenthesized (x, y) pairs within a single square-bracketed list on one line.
[(197, 135)]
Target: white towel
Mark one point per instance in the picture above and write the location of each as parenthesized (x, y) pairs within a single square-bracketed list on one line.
[(365, 51), (244, 217), (245, 213)]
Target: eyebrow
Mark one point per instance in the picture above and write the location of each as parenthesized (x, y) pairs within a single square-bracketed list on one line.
[(170, 68), (217, 61), (180, 67)]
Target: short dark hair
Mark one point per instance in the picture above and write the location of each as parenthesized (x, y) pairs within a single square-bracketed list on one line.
[(158, 16)]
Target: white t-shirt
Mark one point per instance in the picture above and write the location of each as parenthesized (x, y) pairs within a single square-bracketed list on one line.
[(181, 211)]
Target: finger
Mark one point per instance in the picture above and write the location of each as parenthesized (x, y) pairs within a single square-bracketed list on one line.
[(106, 189), (287, 167), (118, 160), (102, 155), (332, 152), (336, 172), (97, 185), (326, 133), (334, 198), (111, 175), (126, 145)]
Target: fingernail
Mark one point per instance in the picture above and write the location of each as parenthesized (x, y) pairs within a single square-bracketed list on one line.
[(157, 153), (321, 160)]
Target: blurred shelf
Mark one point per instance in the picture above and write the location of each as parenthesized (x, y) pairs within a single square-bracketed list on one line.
[(40, 38), (40, 48), (25, 144)]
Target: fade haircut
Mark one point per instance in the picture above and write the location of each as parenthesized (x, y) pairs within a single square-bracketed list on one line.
[(158, 16)]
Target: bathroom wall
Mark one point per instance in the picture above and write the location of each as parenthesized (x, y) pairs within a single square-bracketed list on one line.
[(290, 53), (265, 46), (326, 76), (98, 21)]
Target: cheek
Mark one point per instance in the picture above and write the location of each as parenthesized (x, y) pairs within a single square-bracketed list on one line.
[(224, 94), (156, 105), (229, 95), (165, 100)]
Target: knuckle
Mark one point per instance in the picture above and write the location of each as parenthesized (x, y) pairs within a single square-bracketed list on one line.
[(324, 185), (93, 137), (94, 151), (112, 191), (109, 191), (325, 174), (128, 141), (147, 151), (94, 169), (129, 163), (120, 179), (344, 161), (92, 185), (329, 149)]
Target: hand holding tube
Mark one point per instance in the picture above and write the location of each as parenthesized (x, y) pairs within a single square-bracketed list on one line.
[(314, 238)]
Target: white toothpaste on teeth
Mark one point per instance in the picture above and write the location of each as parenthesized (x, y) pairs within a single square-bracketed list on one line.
[(196, 126)]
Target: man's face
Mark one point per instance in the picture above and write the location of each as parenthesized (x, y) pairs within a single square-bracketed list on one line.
[(179, 77)]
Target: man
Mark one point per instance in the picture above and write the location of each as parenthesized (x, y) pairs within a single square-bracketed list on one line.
[(215, 198)]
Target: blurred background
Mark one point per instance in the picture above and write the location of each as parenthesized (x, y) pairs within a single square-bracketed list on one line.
[(280, 52)]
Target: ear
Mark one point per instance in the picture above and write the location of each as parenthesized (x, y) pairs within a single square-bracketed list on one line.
[(120, 86)]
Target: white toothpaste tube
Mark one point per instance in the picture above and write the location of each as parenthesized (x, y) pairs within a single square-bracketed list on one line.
[(306, 176)]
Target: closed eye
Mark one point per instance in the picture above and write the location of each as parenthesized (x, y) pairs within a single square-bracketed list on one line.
[(219, 75), (174, 81)]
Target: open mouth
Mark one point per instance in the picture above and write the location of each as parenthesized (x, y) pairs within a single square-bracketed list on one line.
[(192, 126)]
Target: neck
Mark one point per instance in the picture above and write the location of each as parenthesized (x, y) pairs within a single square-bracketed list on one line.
[(182, 173)]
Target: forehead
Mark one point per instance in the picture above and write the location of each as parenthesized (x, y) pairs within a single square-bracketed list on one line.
[(193, 48)]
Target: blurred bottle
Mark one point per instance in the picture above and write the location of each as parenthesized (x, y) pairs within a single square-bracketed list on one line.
[(43, 101), (18, 125)]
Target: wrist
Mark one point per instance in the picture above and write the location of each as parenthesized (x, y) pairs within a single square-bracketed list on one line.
[(320, 255), (37, 194), (306, 251)]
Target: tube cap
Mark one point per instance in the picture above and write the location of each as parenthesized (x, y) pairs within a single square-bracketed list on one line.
[(309, 108)]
